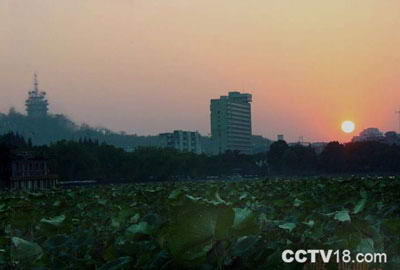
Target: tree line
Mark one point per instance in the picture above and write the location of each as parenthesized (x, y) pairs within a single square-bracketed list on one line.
[(367, 157), (56, 127), (87, 159)]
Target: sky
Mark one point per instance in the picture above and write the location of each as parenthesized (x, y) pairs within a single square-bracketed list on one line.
[(151, 66)]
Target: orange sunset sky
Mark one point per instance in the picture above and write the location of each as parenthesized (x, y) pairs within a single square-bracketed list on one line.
[(150, 66)]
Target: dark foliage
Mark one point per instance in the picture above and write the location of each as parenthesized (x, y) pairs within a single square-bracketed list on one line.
[(351, 158), (57, 127), (87, 159)]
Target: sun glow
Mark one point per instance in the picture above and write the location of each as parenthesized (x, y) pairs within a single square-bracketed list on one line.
[(348, 126)]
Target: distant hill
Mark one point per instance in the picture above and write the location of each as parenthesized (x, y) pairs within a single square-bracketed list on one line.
[(56, 127), (52, 128)]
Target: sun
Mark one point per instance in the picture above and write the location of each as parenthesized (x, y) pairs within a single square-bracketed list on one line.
[(348, 126)]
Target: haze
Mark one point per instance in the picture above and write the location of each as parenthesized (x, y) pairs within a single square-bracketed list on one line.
[(150, 66)]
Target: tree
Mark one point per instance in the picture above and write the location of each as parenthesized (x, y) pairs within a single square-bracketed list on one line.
[(332, 159), (275, 156), (5, 157), (13, 141)]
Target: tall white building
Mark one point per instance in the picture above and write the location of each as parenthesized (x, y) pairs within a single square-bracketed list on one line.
[(231, 123), (184, 141)]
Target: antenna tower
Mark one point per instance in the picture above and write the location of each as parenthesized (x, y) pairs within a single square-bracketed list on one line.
[(398, 112)]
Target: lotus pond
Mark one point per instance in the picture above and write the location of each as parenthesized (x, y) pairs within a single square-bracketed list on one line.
[(203, 225)]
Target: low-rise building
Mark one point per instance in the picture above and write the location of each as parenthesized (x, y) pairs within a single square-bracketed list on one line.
[(318, 147), (369, 134), (259, 144), (24, 170), (374, 134), (183, 141)]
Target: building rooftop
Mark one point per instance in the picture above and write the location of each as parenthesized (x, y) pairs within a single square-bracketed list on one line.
[(36, 104)]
